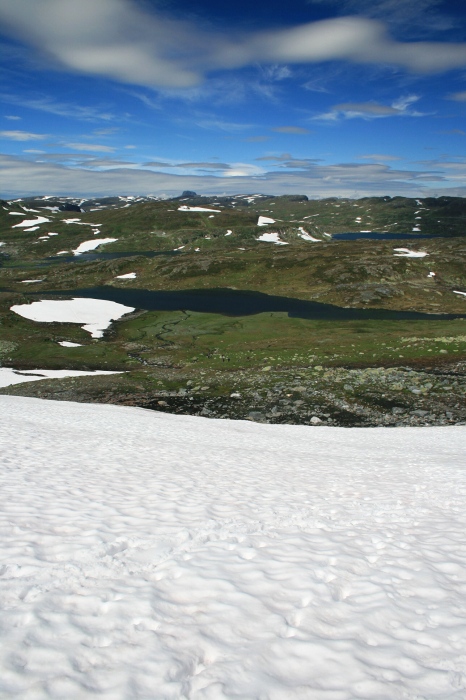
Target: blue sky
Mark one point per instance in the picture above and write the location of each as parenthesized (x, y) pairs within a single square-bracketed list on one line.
[(319, 97)]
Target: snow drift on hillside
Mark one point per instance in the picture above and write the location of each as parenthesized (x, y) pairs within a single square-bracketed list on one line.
[(96, 314), (146, 555)]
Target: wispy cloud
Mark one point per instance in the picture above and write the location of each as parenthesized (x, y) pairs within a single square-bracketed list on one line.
[(257, 139), (291, 130), (12, 117), (286, 160), (98, 148), (276, 73), (371, 110), (189, 166), (220, 125), (379, 156), (458, 96), (60, 109), (22, 136), (123, 41)]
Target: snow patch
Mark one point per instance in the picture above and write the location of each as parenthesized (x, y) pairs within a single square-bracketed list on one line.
[(32, 222), (96, 314), (307, 236), (407, 253), (9, 377), (128, 276), (186, 208), (271, 238), (69, 344), (86, 246), (265, 221), (78, 222)]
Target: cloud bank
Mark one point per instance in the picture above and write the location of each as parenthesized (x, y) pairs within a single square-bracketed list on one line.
[(119, 39), (21, 177)]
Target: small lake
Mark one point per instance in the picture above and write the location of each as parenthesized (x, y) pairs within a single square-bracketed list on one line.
[(230, 302), (374, 236)]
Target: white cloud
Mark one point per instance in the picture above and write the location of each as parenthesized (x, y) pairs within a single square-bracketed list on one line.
[(21, 136), (12, 117), (121, 40)]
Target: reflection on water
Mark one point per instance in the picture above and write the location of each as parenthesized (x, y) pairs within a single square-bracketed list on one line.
[(231, 302)]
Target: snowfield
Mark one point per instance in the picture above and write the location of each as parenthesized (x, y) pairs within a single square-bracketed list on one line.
[(152, 556)]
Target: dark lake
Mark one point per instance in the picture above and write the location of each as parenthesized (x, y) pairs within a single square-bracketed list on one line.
[(374, 236), (230, 302)]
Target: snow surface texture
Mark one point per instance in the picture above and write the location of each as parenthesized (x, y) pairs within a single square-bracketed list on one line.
[(97, 314), (9, 376), (152, 556)]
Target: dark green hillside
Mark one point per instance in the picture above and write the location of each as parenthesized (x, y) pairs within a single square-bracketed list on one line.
[(278, 369)]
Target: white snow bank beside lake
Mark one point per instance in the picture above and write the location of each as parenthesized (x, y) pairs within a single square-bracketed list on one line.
[(150, 555), (186, 208), (407, 253), (96, 314), (86, 246), (265, 221), (271, 238), (9, 376)]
